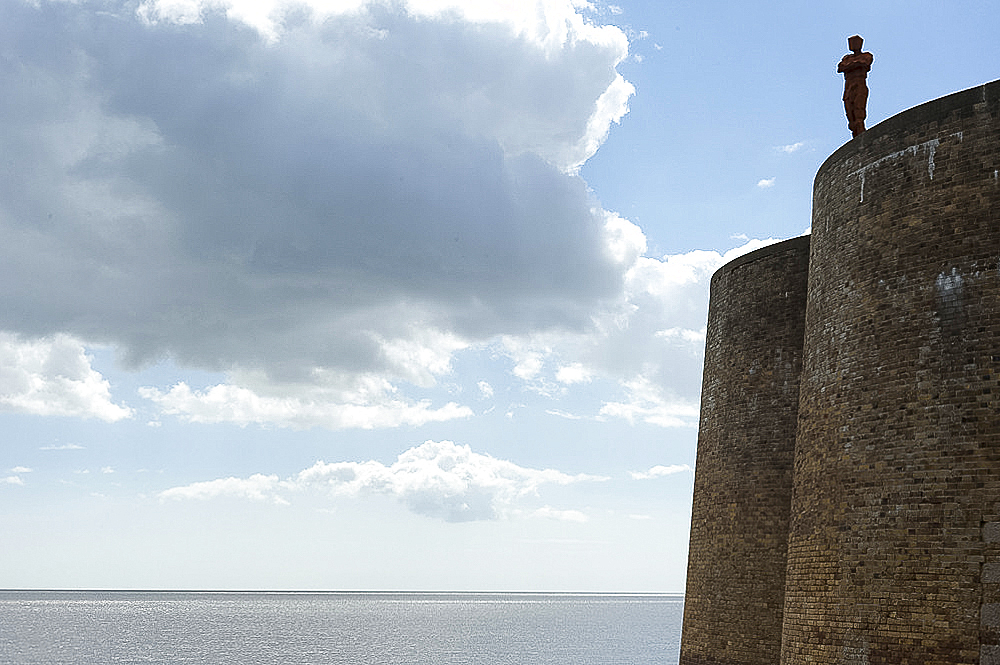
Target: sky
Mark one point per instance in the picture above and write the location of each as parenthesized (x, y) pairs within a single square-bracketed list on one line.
[(395, 294)]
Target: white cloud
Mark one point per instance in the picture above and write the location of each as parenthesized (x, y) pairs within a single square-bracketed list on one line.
[(66, 446), (637, 335), (650, 341), (107, 469), (659, 471), (549, 24), (563, 414), (311, 407), (257, 487), (529, 355), (766, 183), (21, 469), (422, 355), (650, 403), (53, 377), (485, 389), (548, 512), (624, 240), (437, 479), (573, 373), (791, 147), (11, 480), (691, 340), (683, 335), (751, 245)]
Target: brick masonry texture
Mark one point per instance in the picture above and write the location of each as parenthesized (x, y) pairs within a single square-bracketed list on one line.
[(743, 483), (893, 519)]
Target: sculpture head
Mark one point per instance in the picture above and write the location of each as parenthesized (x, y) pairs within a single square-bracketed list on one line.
[(854, 43)]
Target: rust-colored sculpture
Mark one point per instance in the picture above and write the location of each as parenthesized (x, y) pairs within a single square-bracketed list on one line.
[(855, 67)]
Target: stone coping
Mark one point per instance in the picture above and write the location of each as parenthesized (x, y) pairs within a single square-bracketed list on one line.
[(935, 110), (799, 242)]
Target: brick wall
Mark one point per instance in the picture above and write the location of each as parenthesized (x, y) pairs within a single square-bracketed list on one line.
[(743, 481), (894, 544)]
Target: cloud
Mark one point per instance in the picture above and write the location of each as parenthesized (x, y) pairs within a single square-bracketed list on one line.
[(790, 148), (436, 479), (11, 480), (563, 414), (690, 339), (650, 342), (659, 471), (650, 403), (67, 446), (257, 487), (363, 189), (311, 407), (21, 469), (528, 355), (548, 512), (53, 377), (766, 183), (573, 373), (485, 389)]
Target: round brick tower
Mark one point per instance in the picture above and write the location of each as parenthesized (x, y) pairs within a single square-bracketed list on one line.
[(743, 479), (894, 544)]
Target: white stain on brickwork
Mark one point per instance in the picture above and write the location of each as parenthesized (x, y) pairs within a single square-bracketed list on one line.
[(930, 147), (856, 654), (949, 288)]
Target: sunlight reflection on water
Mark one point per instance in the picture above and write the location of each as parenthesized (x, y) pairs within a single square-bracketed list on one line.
[(91, 628)]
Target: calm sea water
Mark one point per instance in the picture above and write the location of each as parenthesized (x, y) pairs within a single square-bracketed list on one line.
[(95, 628)]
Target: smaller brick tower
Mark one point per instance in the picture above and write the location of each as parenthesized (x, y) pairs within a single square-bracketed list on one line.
[(743, 483)]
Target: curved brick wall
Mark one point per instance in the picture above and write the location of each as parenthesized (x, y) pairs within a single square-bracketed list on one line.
[(743, 481), (894, 547)]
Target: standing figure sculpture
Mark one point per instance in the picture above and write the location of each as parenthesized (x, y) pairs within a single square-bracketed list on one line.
[(855, 67)]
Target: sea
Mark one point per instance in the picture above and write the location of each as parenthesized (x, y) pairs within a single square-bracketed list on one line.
[(313, 628)]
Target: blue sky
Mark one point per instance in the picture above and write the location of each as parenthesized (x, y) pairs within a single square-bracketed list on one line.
[(395, 295)]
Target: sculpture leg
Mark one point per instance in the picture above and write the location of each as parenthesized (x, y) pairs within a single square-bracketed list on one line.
[(855, 105)]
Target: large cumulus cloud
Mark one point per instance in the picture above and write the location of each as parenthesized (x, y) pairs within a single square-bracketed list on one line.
[(308, 197)]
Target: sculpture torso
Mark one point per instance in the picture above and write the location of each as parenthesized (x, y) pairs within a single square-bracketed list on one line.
[(856, 65)]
